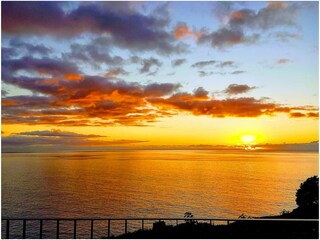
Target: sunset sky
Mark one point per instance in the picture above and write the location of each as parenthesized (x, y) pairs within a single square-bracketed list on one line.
[(156, 73)]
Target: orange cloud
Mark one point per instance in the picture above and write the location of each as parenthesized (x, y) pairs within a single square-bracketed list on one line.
[(8, 102), (277, 5), (237, 16), (73, 77), (181, 31)]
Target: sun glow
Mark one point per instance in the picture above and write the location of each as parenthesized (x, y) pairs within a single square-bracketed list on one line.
[(247, 139)]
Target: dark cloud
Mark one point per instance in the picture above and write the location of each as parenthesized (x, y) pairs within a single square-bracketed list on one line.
[(234, 89), (227, 37), (202, 64), (93, 54), (237, 72), (127, 29), (178, 62), (275, 14), (58, 133), (147, 64), (114, 73), (226, 64), (4, 92), (59, 138), (160, 89), (30, 48), (200, 92), (54, 67), (8, 52), (205, 74)]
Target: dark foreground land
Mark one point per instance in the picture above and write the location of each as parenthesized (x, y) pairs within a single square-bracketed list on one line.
[(239, 229), (308, 208)]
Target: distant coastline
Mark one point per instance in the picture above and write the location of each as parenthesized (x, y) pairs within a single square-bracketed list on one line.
[(312, 147)]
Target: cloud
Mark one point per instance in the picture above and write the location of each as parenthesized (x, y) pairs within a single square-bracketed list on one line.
[(178, 62), (45, 65), (30, 48), (237, 72), (181, 30), (147, 64), (227, 37), (160, 89), (233, 32), (283, 61), (55, 138), (222, 10), (285, 36), (226, 64), (202, 64), (91, 100), (94, 53), (126, 29), (234, 89), (200, 92), (63, 96), (205, 74), (275, 14), (58, 133), (230, 107), (114, 73)]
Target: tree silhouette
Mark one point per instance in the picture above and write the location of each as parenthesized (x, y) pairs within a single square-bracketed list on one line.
[(308, 194)]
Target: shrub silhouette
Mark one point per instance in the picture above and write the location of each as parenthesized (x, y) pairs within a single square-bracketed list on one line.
[(308, 194)]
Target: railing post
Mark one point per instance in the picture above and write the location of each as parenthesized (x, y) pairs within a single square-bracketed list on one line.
[(177, 222), (41, 228), (7, 229), (228, 222), (142, 224), (24, 229), (75, 229), (108, 228), (58, 226), (91, 235), (210, 222), (125, 226)]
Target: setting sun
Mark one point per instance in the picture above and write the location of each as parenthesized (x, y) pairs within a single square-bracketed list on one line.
[(248, 139)]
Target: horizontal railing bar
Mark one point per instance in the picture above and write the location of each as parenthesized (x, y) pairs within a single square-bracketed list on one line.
[(162, 219)]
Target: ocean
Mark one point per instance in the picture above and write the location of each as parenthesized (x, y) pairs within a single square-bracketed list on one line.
[(151, 183)]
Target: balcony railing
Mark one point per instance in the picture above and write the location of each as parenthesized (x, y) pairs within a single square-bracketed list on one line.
[(126, 221)]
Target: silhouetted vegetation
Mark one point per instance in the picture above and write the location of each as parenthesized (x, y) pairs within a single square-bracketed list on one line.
[(307, 199), (308, 194)]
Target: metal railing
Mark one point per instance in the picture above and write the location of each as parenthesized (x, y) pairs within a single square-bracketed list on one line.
[(126, 220)]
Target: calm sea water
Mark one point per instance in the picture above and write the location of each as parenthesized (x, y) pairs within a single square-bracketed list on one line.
[(152, 183)]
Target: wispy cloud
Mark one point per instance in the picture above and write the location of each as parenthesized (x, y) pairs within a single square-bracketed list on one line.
[(283, 61), (178, 62), (202, 64)]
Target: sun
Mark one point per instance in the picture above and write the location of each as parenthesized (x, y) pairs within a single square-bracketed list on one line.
[(247, 139)]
